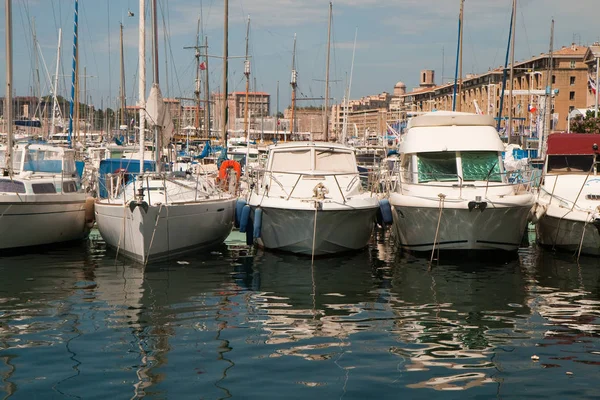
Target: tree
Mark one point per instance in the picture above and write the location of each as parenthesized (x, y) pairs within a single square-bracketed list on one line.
[(587, 124)]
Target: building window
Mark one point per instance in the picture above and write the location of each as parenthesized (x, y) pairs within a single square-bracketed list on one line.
[(553, 79), (572, 81), (571, 108), (572, 63), (571, 95)]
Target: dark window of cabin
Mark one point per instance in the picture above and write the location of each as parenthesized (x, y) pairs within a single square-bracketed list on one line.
[(69, 187), (570, 163), (8, 186), (41, 188)]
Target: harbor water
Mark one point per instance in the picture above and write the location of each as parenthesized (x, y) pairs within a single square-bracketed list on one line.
[(79, 322)]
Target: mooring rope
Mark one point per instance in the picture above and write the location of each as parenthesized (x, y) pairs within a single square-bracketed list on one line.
[(153, 232), (582, 235), (437, 229), (314, 234)]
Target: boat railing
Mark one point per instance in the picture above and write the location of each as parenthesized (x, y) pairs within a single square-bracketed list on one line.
[(301, 175)]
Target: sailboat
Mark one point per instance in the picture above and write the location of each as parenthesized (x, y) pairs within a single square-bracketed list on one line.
[(157, 214), (41, 200)]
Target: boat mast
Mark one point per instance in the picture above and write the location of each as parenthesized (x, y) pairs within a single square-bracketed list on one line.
[(327, 75), (55, 89), (277, 114), (247, 75), (197, 87), (206, 92), (509, 128), (9, 98), (458, 70), (122, 94), (460, 57), (347, 98), (548, 98), (73, 74), (294, 84), (155, 81), (142, 82), (225, 65)]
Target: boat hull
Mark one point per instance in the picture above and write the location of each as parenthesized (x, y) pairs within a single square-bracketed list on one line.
[(164, 230), (568, 234), (38, 220), (337, 231), (460, 229)]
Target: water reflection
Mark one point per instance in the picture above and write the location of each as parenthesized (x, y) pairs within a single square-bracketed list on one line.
[(238, 322), (566, 293), (455, 317)]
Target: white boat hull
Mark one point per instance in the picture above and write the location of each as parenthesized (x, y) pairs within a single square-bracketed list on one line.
[(336, 230), (568, 234), (164, 230), (35, 220), (460, 229)]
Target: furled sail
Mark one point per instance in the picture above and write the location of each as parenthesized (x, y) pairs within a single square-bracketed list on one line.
[(157, 113)]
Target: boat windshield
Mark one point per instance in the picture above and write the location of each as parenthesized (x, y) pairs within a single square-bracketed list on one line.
[(570, 163), (438, 166), (480, 166), (293, 160), (335, 161)]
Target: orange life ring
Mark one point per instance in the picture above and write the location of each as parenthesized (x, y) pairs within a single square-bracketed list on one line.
[(227, 164)]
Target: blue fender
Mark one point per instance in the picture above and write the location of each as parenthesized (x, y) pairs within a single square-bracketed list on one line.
[(239, 206), (385, 209), (245, 218), (249, 236), (257, 222)]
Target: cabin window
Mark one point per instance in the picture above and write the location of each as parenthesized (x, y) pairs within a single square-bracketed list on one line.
[(41, 188), (8, 186), (297, 160), (440, 166), (335, 161), (69, 187), (406, 169), (480, 166), (570, 163)]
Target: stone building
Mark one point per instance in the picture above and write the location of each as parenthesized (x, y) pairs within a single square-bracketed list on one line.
[(482, 93), (258, 106)]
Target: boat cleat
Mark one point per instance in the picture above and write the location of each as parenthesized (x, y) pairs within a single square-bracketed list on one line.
[(477, 203)]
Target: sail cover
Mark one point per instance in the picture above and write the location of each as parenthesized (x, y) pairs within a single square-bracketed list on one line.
[(157, 113)]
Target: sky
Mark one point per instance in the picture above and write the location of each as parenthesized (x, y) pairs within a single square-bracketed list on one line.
[(395, 39)]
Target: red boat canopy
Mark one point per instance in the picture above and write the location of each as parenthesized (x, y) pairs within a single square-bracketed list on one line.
[(573, 143)]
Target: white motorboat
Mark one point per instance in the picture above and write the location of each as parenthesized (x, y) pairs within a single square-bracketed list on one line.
[(310, 200), (566, 211), (41, 200), (452, 191)]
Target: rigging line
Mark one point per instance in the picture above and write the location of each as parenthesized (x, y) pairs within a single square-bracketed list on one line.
[(170, 49), (525, 28), (85, 54), (109, 63), (27, 41)]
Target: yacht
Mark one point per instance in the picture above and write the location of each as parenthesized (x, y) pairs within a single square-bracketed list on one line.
[(566, 211), (309, 200), (41, 200), (452, 191)]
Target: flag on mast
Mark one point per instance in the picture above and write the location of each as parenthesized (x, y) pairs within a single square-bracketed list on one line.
[(592, 84)]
